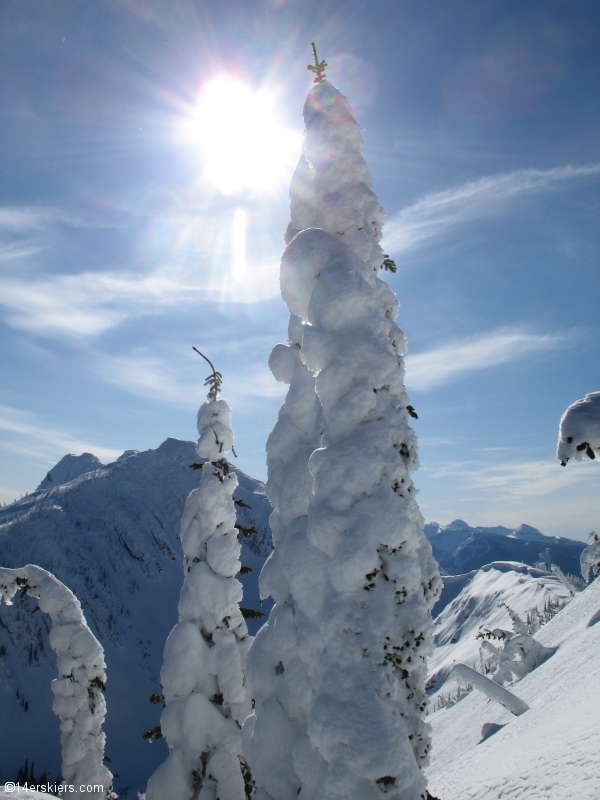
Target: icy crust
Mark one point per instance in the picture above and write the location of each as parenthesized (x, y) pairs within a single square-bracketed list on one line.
[(354, 644), (203, 673), (332, 187), (78, 690), (579, 432)]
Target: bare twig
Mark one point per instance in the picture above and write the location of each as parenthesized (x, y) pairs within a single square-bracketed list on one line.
[(214, 381)]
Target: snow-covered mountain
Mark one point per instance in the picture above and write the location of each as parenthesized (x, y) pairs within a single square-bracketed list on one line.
[(459, 548), (110, 533), (549, 752), (478, 601)]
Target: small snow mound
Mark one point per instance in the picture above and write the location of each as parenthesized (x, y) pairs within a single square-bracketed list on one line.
[(594, 619), (489, 729)]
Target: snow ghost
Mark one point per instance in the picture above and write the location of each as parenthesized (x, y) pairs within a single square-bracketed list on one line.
[(338, 672)]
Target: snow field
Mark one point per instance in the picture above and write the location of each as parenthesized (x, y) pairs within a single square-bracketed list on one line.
[(550, 751), (482, 604)]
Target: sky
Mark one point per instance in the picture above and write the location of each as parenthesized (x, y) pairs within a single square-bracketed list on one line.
[(146, 150)]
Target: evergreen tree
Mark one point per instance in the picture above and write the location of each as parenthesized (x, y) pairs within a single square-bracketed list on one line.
[(339, 673), (79, 688), (203, 673)]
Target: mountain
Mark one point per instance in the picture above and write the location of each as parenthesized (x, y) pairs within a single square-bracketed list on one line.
[(71, 467), (459, 548), (477, 601), (482, 752), (110, 533)]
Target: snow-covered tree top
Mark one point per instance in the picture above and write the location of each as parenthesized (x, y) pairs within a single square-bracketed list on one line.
[(579, 432), (332, 188)]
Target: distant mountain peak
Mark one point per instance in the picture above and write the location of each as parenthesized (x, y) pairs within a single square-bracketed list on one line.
[(69, 468), (460, 548), (457, 523)]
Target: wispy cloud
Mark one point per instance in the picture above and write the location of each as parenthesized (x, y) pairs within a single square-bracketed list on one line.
[(168, 380), (437, 214), (90, 303), (27, 434), (539, 492), (435, 367), (176, 263)]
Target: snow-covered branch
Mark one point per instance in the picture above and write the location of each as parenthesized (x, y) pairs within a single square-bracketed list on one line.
[(463, 674), (579, 431), (78, 690)]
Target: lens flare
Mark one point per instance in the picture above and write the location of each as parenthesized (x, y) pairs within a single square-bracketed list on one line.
[(238, 246), (244, 144)]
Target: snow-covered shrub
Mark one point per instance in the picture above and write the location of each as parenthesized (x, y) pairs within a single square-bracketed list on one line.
[(590, 557), (203, 673), (78, 690), (579, 431), (340, 681), (520, 653)]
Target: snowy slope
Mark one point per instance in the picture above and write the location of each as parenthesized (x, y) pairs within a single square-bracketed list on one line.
[(111, 535), (460, 548), (478, 605), (548, 753)]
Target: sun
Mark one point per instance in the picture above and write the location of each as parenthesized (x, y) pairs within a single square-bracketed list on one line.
[(244, 145)]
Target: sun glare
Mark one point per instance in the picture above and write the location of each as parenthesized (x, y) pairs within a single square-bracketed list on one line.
[(238, 245), (244, 145)]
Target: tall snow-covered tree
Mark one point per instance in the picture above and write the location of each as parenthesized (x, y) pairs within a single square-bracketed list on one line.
[(203, 673), (78, 690), (339, 673)]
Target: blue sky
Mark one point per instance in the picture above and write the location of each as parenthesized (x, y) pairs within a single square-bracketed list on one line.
[(481, 125)]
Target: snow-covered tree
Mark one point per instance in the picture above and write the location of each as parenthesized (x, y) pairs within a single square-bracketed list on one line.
[(339, 673), (78, 690), (520, 653), (203, 673), (579, 431), (293, 573), (590, 557)]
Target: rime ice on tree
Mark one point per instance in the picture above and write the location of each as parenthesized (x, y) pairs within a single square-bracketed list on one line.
[(339, 674), (579, 432), (203, 673), (78, 690)]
